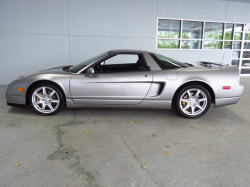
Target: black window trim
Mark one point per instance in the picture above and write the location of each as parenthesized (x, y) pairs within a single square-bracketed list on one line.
[(115, 54), (161, 65)]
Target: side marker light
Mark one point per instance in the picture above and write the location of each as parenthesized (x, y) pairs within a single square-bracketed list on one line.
[(20, 89), (226, 87)]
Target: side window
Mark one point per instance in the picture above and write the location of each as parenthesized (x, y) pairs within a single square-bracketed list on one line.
[(122, 59), (122, 63), (166, 62)]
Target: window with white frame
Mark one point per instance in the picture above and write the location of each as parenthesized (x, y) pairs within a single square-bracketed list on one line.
[(245, 58), (207, 35)]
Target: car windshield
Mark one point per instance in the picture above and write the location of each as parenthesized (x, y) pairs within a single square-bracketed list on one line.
[(85, 63), (165, 62)]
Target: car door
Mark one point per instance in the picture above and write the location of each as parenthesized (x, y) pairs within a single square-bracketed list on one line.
[(111, 88)]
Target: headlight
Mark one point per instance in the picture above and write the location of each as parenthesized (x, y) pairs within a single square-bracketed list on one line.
[(21, 77)]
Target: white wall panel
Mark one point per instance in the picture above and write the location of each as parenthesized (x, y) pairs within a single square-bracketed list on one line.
[(82, 47), (34, 34), (34, 16), (130, 18), (238, 12), (193, 9), (27, 54)]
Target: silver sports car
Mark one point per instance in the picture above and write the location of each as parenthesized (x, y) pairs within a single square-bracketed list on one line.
[(129, 79)]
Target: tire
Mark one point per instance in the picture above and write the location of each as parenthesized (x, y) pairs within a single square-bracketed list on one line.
[(46, 99), (193, 101)]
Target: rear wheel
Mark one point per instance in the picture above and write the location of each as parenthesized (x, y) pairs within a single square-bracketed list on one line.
[(193, 101), (46, 99)]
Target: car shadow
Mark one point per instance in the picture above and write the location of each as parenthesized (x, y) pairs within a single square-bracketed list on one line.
[(73, 111), (21, 111), (213, 114)]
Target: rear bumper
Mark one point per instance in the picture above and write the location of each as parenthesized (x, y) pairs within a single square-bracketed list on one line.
[(231, 100), (15, 100), (226, 101), (238, 89)]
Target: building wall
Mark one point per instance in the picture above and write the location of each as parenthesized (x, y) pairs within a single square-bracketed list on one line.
[(36, 34)]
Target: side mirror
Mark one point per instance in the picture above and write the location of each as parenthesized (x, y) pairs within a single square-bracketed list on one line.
[(90, 72)]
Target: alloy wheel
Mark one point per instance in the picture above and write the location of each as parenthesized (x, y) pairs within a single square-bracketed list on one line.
[(193, 102), (45, 99)]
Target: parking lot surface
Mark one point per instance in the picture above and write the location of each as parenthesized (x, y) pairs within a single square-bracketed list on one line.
[(110, 147)]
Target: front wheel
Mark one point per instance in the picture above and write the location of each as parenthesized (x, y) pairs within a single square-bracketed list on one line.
[(193, 101), (46, 99)]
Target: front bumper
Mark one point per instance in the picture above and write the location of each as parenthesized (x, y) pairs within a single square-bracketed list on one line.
[(17, 105), (15, 99)]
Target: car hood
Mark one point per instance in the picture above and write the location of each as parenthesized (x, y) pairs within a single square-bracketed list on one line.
[(59, 68), (55, 70)]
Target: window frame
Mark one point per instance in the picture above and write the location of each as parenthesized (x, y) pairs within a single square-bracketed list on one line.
[(223, 40), (116, 54), (203, 33), (160, 64), (243, 49)]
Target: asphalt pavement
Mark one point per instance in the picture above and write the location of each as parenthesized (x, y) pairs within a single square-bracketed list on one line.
[(123, 147)]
